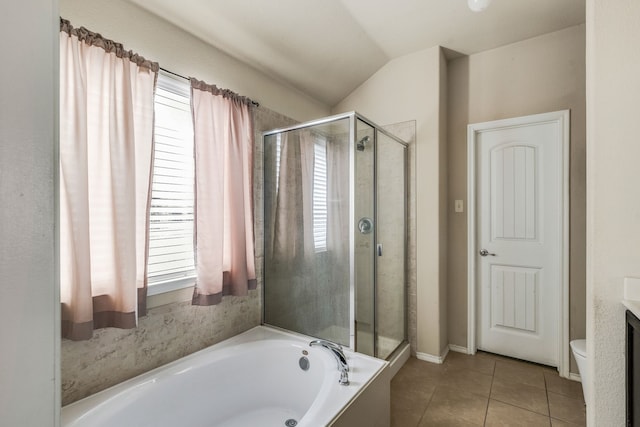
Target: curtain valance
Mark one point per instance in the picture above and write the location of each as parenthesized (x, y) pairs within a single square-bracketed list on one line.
[(225, 93), (95, 39)]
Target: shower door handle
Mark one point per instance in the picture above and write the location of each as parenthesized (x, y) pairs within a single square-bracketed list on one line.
[(379, 249)]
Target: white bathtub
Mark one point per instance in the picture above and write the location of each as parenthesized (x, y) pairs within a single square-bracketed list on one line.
[(253, 379)]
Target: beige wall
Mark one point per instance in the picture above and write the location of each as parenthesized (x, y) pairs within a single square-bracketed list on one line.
[(542, 74), (29, 301), (613, 209), (187, 55), (408, 88)]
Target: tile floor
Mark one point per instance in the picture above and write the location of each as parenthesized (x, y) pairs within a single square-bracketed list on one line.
[(483, 390)]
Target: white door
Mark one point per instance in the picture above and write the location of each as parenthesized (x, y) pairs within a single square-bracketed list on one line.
[(520, 237)]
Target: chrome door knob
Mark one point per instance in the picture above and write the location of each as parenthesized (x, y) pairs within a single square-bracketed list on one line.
[(484, 252)]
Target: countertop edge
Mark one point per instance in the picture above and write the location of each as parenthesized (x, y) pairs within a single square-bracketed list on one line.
[(633, 306)]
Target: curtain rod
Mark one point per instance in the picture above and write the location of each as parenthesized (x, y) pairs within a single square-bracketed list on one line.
[(257, 104)]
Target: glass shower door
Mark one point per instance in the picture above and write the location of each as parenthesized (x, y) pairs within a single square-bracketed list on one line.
[(390, 249), (364, 239), (306, 221)]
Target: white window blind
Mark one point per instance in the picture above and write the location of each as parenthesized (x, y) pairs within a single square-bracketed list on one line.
[(278, 154), (171, 257), (320, 195)]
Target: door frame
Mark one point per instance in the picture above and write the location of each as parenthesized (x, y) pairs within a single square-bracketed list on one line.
[(562, 118)]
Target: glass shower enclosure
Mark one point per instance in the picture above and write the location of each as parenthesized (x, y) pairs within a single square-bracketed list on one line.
[(335, 197)]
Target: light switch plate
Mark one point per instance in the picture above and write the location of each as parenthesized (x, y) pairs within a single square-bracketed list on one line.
[(459, 206)]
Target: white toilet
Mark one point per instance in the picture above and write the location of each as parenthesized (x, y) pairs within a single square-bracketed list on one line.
[(579, 349)]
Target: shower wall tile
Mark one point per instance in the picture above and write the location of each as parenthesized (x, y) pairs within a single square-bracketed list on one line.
[(175, 330)]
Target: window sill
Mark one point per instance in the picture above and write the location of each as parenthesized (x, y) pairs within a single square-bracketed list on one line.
[(170, 292), (170, 285)]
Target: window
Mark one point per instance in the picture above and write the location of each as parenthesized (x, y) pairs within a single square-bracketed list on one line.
[(320, 195), (171, 256)]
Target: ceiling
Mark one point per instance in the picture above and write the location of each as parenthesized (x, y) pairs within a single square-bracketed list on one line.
[(327, 48)]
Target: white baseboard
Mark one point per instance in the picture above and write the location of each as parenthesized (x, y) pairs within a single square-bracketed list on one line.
[(445, 353), (458, 348), (575, 377), (431, 358)]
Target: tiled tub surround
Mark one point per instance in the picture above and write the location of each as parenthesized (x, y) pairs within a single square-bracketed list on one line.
[(167, 333), (256, 380), (174, 330)]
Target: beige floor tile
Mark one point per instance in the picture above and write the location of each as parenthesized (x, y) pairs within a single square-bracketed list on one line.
[(563, 386), (521, 395), (479, 362), (456, 393), (409, 400), (406, 411), (418, 368), (453, 407), (567, 409), (410, 392), (414, 383), (405, 418), (414, 362), (501, 414), (434, 421), (520, 372), (560, 423), (468, 381)]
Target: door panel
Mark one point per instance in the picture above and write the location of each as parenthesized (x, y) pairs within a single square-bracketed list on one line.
[(519, 219), (513, 186), (514, 303)]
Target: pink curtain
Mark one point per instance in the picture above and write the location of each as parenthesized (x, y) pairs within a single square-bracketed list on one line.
[(106, 136), (223, 133)]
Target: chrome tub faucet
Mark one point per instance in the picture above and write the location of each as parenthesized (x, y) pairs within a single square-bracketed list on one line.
[(337, 352)]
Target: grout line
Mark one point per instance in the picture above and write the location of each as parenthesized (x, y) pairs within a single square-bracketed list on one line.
[(546, 392), (427, 407), (486, 412), (520, 407)]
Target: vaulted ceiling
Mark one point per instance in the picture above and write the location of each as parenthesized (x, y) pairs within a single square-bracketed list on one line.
[(327, 48)]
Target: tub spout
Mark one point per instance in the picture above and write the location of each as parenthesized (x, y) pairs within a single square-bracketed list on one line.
[(337, 352)]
